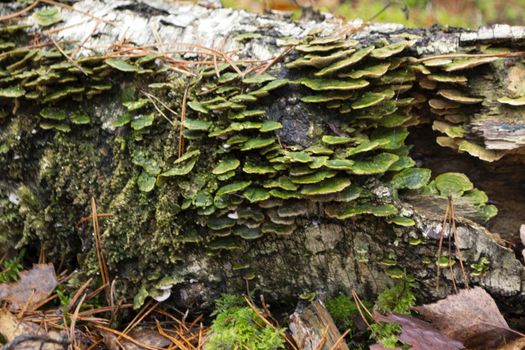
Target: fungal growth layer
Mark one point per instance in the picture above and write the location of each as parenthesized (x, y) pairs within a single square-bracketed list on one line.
[(207, 163)]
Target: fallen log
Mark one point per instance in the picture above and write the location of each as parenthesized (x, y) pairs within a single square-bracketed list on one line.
[(114, 100)]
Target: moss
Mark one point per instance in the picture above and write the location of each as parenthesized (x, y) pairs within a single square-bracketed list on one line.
[(237, 325)]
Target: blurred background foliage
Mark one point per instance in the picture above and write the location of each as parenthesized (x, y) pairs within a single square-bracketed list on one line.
[(413, 13)]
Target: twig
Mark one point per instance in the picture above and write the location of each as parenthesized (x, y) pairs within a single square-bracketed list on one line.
[(45, 301), (152, 98), (140, 316), (87, 218), (389, 4), (275, 60), (338, 341), (59, 29), (79, 46), (450, 267), (257, 312), (173, 339), (231, 63), (26, 305), (42, 254), (466, 55), (440, 245), (324, 338), (96, 292), (456, 242), (77, 295), (100, 256), (266, 311), (74, 319), (66, 56), (19, 13), (99, 310), (182, 119), (71, 8), (216, 67), (201, 338), (360, 304)]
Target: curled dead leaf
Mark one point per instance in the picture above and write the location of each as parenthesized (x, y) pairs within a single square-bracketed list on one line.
[(471, 316), (33, 286)]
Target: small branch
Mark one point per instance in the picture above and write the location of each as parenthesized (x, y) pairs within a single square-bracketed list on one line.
[(182, 118), (66, 56), (275, 60), (440, 246), (456, 242), (71, 8), (154, 98), (466, 55), (254, 308), (19, 13), (359, 304), (98, 245)]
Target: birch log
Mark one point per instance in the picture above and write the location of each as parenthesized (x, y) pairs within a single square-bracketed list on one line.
[(323, 255)]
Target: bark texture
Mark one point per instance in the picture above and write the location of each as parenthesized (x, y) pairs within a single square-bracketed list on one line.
[(48, 179)]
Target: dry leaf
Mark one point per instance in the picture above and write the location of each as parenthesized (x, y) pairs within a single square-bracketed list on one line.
[(419, 334), (471, 316), (32, 287)]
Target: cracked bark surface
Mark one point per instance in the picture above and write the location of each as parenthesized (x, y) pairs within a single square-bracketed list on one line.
[(324, 255)]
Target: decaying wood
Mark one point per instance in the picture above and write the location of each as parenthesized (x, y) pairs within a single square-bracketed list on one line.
[(161, 26), (313, 328), (324, 256)]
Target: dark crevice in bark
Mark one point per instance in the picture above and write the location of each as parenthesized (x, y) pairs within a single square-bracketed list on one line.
[(503, 180)]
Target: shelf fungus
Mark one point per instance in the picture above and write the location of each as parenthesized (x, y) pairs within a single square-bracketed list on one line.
[(210, 160)]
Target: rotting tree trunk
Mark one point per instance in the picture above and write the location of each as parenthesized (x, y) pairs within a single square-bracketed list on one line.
[(47, 178)]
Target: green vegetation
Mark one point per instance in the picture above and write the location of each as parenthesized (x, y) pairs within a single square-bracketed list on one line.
[(344, 311), (386, 334), (399, 299), (237, 326), (11, 268)]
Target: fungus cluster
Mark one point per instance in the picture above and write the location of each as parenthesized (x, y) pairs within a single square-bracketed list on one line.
[(233, 180)]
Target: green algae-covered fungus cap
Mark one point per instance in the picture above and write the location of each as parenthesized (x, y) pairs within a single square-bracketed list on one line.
[(453, 184), (411, 178)]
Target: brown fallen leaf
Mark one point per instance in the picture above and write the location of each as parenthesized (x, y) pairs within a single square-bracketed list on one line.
[(471, 316), (420, 335), (32, 287)]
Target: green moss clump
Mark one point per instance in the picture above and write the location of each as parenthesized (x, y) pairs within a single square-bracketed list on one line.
[(344, 312), (238, 326), (399, 299)]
